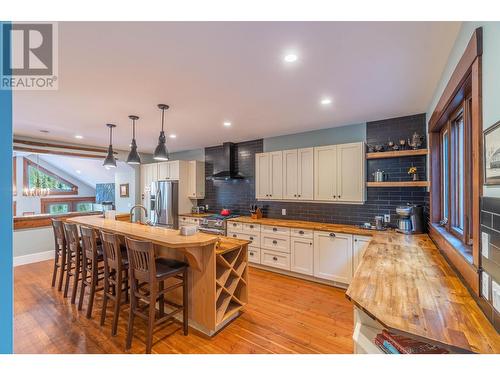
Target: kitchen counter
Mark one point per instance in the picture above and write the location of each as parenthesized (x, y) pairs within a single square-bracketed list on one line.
[(404, 283), (196, 215), (218, 276), (45, 220)]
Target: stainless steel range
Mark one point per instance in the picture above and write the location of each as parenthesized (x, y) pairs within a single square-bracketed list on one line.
[(215, 224)]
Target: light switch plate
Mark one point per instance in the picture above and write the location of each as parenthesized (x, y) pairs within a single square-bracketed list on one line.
[(495, 294), (283, 211), (387, 218), (485, 285), (485, 244)]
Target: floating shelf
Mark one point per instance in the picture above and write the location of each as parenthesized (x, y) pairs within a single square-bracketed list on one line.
[(398, 184), (396, 154)]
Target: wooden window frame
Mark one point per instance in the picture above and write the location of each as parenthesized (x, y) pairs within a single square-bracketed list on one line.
[(29, 163), (464, 86), (46, 202)]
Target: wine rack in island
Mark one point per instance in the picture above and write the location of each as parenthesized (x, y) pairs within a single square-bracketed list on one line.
[(231, 289)]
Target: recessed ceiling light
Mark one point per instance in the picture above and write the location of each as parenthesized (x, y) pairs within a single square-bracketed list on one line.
[(79, 136), (44, 131), (290, 57), (172, 136), (227, 123), (326, 101), (78, 171)]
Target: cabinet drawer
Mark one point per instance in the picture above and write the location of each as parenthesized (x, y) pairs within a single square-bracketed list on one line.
[(254, 238), (275, 259), (254, 255), (251, 228), (185, 220), (301, 233), (275, 242), (275, 230), (234, 226)]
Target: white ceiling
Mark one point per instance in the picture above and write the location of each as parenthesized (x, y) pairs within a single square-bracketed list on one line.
[(212, 72)]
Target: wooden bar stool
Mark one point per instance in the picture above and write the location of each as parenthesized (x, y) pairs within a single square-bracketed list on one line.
[(147, 277), (74, 262), (92, 268), (115, 276), (60, 253)]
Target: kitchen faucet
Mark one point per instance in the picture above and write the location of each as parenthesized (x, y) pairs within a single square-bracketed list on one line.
[(132, 212)]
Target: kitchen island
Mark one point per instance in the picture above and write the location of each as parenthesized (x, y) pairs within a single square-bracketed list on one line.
[(218, 280)]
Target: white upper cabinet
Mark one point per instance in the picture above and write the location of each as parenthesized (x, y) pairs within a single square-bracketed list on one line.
[(325, 173), (173, 170), (351, 172), (305, 173), (290, 174), (298, 172), (333, 173), (168, 170), (269, 175), (196, 179)]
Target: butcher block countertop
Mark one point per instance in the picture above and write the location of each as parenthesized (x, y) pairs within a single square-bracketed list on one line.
[(405, 284)]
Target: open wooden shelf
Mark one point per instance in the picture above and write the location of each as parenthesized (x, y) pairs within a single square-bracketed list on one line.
[(398, 184), (230, 287), (396, 154)]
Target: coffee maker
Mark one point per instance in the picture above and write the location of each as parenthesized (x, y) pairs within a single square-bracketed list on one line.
[(411, 219)]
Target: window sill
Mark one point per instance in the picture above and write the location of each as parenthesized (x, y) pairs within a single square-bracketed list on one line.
[(463, 250)]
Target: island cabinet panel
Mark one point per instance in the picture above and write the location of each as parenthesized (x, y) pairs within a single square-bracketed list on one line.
[(325, 173), (302, 255), (333, 256), (351, 172)]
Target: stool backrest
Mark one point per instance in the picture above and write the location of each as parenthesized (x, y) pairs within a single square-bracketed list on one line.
[(111, 251), (59, 239), (141, 258), (89, 244), (72, 240)]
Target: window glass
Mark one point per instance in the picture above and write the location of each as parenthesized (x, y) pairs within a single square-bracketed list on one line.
[(445, 175), (58, 208), (84, 206), (39, 179)]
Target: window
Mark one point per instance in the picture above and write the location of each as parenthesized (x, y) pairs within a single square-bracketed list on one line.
[(65, 205), (455, 174), (36, 176)]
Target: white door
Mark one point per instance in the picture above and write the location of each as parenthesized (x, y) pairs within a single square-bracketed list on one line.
[(290, 177), (173, 170), (333, 256), (262, 173), (163, 170), (325, 173), (302, 255), (350, 172), (305, 173), (359, 247), (276, 166)]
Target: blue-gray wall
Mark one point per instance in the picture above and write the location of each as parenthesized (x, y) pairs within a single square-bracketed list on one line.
[(322, 137), (196, 154), (491, 75)]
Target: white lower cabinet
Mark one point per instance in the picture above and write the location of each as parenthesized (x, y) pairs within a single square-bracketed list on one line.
[(302, 255), (254, 254), (275, 242), (275, 259), (358, 247), (333, 256)]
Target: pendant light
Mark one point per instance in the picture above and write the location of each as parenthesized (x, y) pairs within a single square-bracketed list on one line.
[(110, 161), (161, 152), (133, 156)]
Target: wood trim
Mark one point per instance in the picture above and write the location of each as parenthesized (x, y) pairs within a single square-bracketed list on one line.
[(27, 163), (398, 184), (476, 155), (45, 220), (464, 268), (14, 176), (396, 154), (45, 202), (54, 152), (56, 145), (473, 50)]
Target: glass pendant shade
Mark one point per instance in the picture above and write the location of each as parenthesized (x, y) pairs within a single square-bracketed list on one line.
[(133, 156), (110, 161), (161, 152)]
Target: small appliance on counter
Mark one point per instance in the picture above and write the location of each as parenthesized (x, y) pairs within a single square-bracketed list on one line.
[(198, 210), (107, 206), (255, 212), (411, 219)]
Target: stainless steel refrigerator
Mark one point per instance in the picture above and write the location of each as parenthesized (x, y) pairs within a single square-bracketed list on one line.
[(164, 203)]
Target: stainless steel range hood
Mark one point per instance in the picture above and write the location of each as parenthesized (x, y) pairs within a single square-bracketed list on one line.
[(225, 165)]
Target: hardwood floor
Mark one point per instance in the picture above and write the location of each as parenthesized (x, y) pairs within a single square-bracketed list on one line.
[(284, 315)]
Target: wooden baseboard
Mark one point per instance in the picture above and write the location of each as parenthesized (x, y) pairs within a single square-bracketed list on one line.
[(33, 258)]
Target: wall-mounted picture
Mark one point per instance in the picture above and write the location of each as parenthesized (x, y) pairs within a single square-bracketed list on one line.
[(492, 155), (123, 190)]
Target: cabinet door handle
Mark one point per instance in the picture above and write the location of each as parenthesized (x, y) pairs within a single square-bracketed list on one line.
[(301, 232), (275, 229), (299, 195), (275, 242), (295, 195), (310, 243), (355, 240), (332, 234), (234, 235), (234, 224), (251, 226), (251, 253), (251, 238), (275, 259)]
